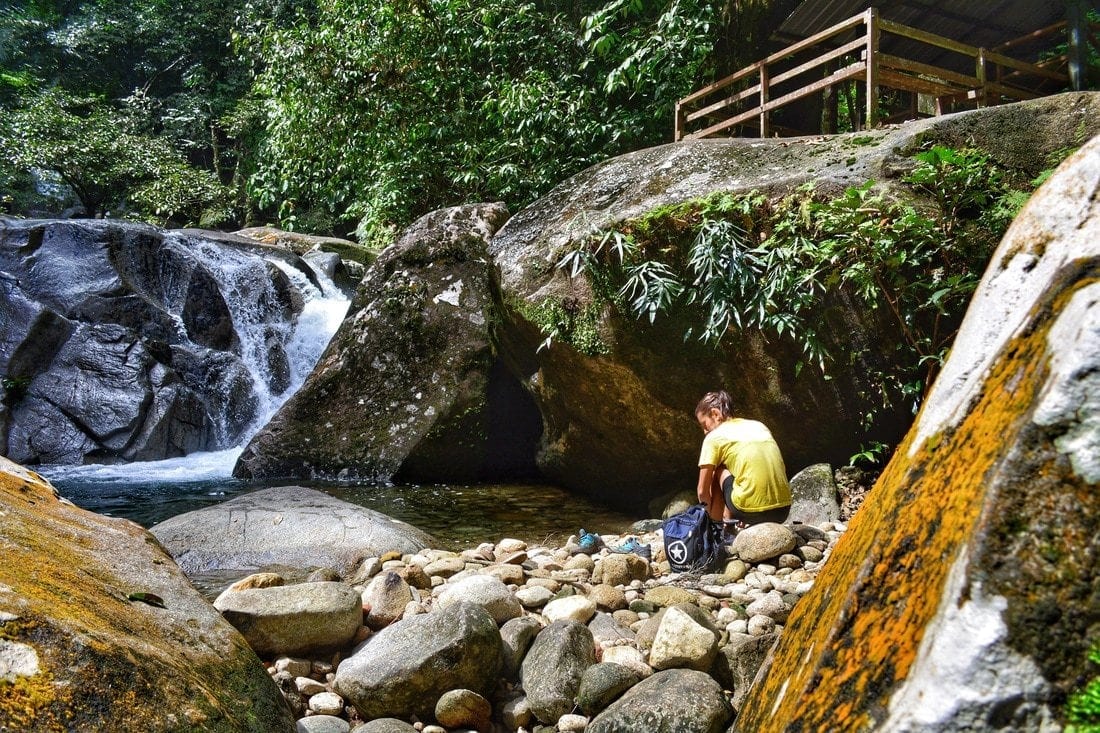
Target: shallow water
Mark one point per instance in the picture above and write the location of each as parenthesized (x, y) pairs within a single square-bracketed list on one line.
[(458, 516)]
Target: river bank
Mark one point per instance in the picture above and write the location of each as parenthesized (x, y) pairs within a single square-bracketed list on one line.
[(618, 620)]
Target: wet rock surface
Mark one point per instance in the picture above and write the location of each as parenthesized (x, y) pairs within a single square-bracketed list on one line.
[(407, 384), (118, 343), (288, 526)]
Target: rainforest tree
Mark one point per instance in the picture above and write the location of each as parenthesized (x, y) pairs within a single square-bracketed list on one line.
[(378, 111), (353, 114), (156, 85)]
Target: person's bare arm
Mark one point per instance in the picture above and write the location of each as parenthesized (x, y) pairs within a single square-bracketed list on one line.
[(706, 484)]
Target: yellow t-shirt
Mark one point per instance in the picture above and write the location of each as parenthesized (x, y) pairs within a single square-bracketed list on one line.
[(748, 450)]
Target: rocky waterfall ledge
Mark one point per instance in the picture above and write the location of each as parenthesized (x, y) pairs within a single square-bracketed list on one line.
[(124, 342)]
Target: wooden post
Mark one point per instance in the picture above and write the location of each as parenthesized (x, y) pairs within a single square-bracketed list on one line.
[(980, 71), (678, 124), (1076, 51), (872, 66), (829, 103), (765, 128)]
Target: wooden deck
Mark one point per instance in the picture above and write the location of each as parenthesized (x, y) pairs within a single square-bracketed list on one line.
[(849, 53)]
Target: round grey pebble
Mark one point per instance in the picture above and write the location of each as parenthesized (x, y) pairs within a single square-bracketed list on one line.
[(326, 703), (385, 725), (322, 724)]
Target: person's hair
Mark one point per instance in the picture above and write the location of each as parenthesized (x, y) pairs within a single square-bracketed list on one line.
[(719, 400)]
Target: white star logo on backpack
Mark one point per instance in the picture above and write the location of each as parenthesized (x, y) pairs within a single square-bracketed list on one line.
[(677, 552)]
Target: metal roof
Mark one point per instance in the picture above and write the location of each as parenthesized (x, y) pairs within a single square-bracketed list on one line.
[(984, 23)]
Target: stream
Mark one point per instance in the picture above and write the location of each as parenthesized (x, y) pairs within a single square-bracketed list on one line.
[(458, 516)]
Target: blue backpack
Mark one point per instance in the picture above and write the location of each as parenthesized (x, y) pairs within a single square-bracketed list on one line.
[(693, 541)]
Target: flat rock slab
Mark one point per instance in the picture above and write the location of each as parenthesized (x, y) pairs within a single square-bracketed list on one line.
[(294, 620), (287, 526)]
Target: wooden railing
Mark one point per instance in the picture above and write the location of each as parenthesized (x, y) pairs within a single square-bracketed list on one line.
[(749, 96)]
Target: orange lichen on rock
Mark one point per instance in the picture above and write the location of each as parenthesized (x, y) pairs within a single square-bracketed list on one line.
[(105, 660), (855, 637)]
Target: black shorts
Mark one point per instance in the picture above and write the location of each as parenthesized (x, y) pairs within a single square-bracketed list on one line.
[(771, 515)]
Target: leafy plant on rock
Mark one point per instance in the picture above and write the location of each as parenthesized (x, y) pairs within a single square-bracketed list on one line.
[(1083, 707), (731, 263)]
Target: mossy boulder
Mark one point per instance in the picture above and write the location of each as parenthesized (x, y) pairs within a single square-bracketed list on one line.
[(300, 243), (405, 385), (110, 634), (616, 393), (964, 596)]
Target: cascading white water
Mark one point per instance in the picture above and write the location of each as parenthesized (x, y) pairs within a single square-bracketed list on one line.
[(303, 340)]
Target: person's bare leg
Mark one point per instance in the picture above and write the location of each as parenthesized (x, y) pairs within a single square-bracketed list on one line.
[(716, 507), (720, 477)]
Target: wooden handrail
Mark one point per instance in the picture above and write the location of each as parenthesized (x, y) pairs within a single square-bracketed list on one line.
[(844, 50), (988, 85), (722, 83), (916, 67), (1033, 36), (753, 69), (723, 103), (1002, 60), (930, 38), (849, 72), (817, 38)]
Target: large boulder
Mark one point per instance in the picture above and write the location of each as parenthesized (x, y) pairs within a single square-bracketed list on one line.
[(634, 397), (964, 596), (99, 630), (122, 341), (814, 496), (407, 384), (673, 701), (552, 670), (404, 669), (287, 526), (738, 662), (294, 620)]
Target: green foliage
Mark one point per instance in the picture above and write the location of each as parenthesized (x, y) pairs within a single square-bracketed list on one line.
[(379, 111), (93, 149), (364, 112), (651, 44), (15, 389), (1083, 707), (567, 321), (730, 263), (163, 72), (1053, 160), (963, 183), (872, 454)]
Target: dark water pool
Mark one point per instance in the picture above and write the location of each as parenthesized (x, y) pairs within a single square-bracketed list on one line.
[(458, 516)]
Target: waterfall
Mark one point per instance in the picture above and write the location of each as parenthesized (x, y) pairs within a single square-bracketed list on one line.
[(277, 353)]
